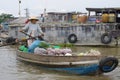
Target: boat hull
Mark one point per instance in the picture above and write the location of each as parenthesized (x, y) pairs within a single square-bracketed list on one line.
[(83, 65)]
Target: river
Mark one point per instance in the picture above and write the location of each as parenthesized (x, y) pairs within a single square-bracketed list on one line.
[(12, 69)]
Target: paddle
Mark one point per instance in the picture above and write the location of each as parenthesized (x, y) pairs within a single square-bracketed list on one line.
[(39, 37)]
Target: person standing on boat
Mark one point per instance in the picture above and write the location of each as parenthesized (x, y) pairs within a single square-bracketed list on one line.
[(33, 29)]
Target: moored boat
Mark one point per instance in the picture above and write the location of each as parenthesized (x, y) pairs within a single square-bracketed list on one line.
[(83, 65)]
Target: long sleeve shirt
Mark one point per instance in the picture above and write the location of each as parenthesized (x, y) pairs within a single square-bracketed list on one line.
[(33, 29)]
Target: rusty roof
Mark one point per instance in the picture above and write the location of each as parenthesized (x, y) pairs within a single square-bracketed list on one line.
[(64, 13), (103, 9)]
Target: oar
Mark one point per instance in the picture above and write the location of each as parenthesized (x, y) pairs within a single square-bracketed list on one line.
[(40, 37), (26, 34)]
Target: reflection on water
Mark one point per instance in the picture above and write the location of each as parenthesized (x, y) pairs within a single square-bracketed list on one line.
[(12, 69), (104, 50)]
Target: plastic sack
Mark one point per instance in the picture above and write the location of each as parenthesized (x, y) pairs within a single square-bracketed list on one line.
[(21, 48), (56, 47), (68, 54), (51, 51), (43, 44), (67, 50), (33, 46), (40, 51), (25, 50), (59, 52)]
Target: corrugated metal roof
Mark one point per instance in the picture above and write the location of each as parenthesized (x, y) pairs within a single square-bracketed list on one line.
[(101, 9), (21, 20)]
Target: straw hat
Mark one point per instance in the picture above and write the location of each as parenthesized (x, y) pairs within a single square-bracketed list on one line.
[(33, 18)]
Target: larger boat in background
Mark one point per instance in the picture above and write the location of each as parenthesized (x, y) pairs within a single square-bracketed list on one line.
[(100, 28)]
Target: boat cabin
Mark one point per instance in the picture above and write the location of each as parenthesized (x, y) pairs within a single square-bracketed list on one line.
[(62, 16), (100, 11)]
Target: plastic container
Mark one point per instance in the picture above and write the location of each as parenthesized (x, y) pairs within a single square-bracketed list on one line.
[(105, 18), (112, 18), (82, 19), (74, 17)]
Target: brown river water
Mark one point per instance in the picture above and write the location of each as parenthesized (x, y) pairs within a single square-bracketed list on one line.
[(12, 69)]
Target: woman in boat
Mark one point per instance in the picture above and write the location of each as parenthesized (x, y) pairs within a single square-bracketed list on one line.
[(33, 29)]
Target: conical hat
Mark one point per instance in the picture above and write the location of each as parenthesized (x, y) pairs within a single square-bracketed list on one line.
[(33, 18)]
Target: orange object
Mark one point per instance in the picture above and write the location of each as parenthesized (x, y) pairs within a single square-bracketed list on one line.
[(82, 19), (105, 18)]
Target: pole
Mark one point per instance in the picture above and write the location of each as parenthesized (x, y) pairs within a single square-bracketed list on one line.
[(44, 13), (19, 13), (27, 12)]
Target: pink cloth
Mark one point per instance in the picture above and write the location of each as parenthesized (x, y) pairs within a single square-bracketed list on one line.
[(29, 42)]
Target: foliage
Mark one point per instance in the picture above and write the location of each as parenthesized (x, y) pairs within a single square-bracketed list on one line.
[(4, 17), (43, 45), (65, 45)]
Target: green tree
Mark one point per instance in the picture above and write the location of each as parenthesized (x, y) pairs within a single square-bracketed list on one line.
[(4, 17)]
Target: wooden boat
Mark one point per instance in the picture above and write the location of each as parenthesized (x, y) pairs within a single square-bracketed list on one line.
[(83, 65)]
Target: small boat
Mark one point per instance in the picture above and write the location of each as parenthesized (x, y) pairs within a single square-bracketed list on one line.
[(82, 65)]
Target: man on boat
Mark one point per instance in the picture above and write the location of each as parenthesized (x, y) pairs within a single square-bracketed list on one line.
[(33, 29)]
